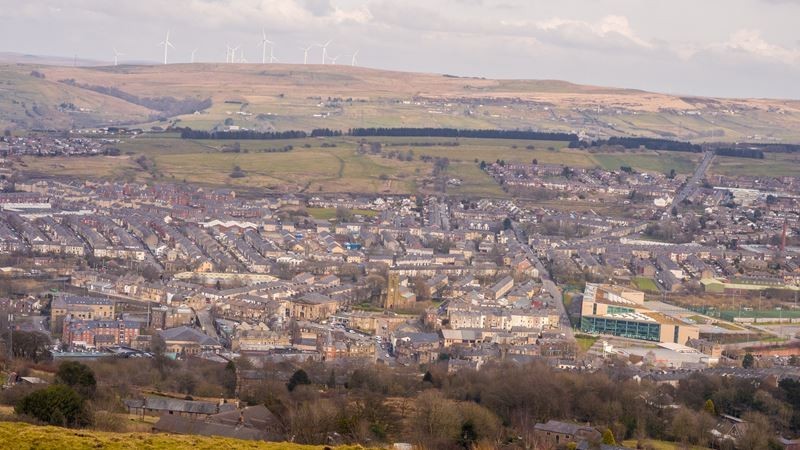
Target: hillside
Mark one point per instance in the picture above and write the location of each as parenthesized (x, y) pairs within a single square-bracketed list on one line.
[(15, 435), (285, 96)]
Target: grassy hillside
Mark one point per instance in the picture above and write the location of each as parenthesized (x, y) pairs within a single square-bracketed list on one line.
[(28, 101), (18, 436), (286, 96)]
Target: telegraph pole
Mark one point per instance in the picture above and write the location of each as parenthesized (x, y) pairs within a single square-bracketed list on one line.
[(10, 338)]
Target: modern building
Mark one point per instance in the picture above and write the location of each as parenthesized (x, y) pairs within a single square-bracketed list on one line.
[(620, 311)]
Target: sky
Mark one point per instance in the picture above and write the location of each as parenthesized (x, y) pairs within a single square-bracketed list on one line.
[(728, 48)]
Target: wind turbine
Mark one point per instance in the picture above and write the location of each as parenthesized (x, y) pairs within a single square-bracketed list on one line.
[(233, 53), (272, 57), (193, 52), (116, 55), (166, 43), (264, 42), (242, 59), (305, 53), (227, 53), (324, 51), (353, 61), (333, 60)]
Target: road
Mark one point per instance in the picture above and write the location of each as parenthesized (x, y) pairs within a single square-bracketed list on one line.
[(555, 292), (548, 285), (694, 182), (207, 323)]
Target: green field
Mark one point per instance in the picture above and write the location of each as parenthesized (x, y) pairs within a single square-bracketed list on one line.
[(330, 213), (650, 161), (729, 315), (645, 284), (773, 165), (585, 342), (661, 445), (19, 436)]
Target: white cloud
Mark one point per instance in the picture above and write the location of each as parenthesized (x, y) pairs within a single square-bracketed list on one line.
[(751, 42), (612, 30)]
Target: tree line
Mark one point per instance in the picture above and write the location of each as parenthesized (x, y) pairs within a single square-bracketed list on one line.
[(740, 152), (463, 133), (188, 133), (637, 142)]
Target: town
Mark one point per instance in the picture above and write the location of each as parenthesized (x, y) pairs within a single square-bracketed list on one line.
[(684, 274)]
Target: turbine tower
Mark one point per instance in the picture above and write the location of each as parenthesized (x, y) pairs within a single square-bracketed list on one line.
[(324, 51), (193, 52), (116, 55), (305, 53), (167, 44), (233, 53), (353, 61), (333, 60), (228, 49)]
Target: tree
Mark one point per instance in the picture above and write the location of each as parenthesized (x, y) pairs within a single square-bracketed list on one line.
[(608, 437), (237, 172), (300, 377), (748, 361), (757, 434), (709, 407), (428, 377), (229, 378), (31, 345), (507, 223), (331, 380), (159, 348), (186, 383), (79, 377), (343, 214), (468, 435), (57, 405)]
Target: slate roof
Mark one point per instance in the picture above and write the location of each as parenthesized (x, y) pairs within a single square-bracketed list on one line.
[(187, 334), (184, 425), (173, 404)]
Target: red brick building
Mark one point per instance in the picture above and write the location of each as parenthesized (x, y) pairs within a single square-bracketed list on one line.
[(101, 333)]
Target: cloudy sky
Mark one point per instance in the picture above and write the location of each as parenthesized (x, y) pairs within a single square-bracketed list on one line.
[(729, 48)]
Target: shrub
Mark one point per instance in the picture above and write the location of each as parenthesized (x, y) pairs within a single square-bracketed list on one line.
[(77, 376), (298, 378), (57, 405)]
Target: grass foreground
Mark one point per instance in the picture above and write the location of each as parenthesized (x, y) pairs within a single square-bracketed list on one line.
[(18, 436)]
